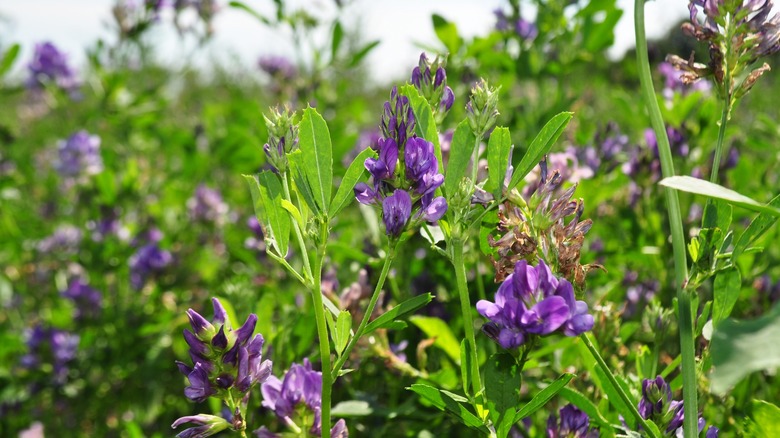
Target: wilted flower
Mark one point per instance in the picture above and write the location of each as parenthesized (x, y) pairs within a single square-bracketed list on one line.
[(533, 302), (79, 155), (573, 423), (534, 228), (738, 33), (207, 205), (301, 386), (51, 65)]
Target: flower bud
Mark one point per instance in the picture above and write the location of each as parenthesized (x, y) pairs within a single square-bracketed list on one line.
[(482, 108)]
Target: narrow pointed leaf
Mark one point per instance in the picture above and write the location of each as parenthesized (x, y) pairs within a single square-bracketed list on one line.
[(302, 186), (540, 146), (542, 397), (355, 173), (445, 402), (726, 292), (8, 59), (499, 147), (314, 140), (343, 327), (701, 187), (756, 229), (267, 195), (399, 311), (461, 151)]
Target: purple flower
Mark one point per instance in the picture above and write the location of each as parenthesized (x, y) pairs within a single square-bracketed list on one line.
[(207, 205), (526, 30), (222, 357), (422, 167), (65, 240), (396, 211), (532, 301), (51, 65), (207, 425), (79, 155), (278, 67), (573, 424), (384, 166), (398, 120), (502, 23), (434, 210), (430, 79), (658, 406), (300, 386), (147, 261), (88, 299)]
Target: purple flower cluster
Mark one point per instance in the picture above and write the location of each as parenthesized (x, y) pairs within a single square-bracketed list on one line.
[(223, 358), (573, 423), (278, 67), (533, 302), (79, 155), (148, 260), (430, 78), (207, 205), (88, 300), (657, 405), (55, 346), (65, 240), (401, 188), (526, 30), (301, 386), (51, 65), (225, 362)]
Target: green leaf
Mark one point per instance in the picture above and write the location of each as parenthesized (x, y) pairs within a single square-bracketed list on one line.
[(499, 148), (314, 140), (502, 386), (701, 187), (461, 151), (399, 311), (726, 292), (447, 33), (335, 42), (542, 397), (354, 173), (244, 7), (581, 401), (445, 402), (425, 125), (540, 146), (267, 197), (764, 421), (756, 229), (293, 210), (365, 50), (438, 329), (343, 327), (352, 408), (302, 186), (739, 348), (9, 57)]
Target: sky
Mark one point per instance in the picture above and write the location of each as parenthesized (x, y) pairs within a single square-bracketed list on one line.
[(401, 25)]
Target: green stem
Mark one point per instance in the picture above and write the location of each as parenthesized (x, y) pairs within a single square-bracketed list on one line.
[(721, 134), (684, 315), (369, 310), (616, 386), (475, 164), (319, 309), (465, 308)]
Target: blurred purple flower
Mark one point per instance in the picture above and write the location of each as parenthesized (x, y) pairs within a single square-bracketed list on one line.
[(51, 65), (638, 293), (207, 206), (88, 300), (62, 349), (79, 155), (148, 260), (278, 67), (65, 240), (573, 424), (526, 30)]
